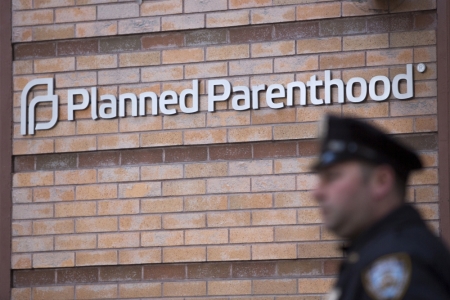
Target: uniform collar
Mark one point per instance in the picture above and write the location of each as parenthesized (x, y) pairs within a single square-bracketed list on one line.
[(405, 214)]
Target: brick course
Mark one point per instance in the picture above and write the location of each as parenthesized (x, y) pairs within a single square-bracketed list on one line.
[(264, 278), (170, 15)]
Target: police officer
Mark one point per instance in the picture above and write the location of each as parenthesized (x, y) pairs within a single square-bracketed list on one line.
[(390, 252)]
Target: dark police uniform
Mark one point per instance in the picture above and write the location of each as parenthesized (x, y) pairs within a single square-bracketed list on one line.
[(398, 257)]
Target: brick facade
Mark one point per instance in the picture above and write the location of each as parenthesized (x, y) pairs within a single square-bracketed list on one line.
[(210, 205)]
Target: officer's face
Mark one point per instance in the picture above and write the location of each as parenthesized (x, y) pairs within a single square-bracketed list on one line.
[(343, 195)]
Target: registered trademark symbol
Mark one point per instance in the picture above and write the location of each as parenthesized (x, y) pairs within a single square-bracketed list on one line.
[(421, 67)]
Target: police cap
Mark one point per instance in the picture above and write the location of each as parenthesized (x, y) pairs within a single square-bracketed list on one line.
[(346, 139)]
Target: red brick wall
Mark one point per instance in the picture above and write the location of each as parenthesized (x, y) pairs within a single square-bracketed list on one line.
[(230, 186)]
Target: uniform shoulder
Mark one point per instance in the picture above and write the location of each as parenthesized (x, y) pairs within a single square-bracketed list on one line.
[(416, 240), (417, 272), (400, 260)]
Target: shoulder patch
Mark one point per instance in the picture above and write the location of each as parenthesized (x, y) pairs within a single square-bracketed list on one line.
[(388, 277)]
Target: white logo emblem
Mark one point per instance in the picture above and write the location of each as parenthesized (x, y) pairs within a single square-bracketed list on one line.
[(29, 115)]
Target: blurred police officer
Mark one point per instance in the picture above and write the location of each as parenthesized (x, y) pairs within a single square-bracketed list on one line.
[(391, 254)]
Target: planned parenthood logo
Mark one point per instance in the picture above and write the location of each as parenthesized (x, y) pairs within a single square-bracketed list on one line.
[(29, 115), (275, 96)]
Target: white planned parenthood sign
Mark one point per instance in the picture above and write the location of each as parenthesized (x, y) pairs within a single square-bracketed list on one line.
[(244, 97)]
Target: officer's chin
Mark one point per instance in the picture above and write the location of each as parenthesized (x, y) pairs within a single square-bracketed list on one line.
[(331, 223), (326, 212), (328, 222)]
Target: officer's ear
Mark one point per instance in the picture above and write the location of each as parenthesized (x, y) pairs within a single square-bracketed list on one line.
[(383, 181)]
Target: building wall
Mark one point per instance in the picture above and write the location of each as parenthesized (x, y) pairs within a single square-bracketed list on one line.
[(212, 204)]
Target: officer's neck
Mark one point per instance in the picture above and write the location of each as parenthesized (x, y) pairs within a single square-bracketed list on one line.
[(380, 210)]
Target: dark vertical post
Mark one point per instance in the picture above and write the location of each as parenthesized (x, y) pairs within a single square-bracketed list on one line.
[(6, 103), (443, 63)]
